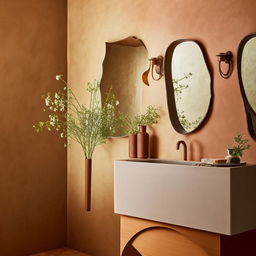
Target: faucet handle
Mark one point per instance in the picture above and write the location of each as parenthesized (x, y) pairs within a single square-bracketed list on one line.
[(184, 147)]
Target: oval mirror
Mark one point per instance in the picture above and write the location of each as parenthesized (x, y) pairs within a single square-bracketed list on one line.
[(188, 85), (123, 66), (247, 79)]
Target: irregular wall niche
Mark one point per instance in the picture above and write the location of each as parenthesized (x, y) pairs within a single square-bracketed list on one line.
[(123, 66)]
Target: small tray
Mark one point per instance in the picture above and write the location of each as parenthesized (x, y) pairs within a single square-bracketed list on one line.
[(229, 164)]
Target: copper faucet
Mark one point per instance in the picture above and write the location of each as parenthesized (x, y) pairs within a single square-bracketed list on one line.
[(184, 146)]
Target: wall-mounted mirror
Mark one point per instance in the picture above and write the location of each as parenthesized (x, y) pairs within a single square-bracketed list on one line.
[(123, 66), (188, 85), (247, 79)]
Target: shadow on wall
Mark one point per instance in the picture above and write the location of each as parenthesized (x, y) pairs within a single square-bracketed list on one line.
[(195, 150), (154, 145)]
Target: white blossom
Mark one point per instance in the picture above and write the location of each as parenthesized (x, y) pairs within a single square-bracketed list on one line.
[(47, 101), (58, 77), (52, 120), (110, 106)]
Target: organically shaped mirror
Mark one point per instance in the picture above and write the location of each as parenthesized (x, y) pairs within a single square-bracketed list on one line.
[(188, 85), (247, 79), (123, 66)]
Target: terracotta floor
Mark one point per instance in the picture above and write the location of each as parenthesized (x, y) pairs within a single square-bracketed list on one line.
[(61, 252)]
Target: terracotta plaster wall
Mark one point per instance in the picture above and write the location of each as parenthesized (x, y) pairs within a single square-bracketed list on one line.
[(218, 25), (33, 166)]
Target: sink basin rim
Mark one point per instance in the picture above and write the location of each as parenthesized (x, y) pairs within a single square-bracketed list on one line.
[(162, 161)]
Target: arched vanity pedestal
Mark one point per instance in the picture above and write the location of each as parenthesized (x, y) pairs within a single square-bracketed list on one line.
[(144, 237)]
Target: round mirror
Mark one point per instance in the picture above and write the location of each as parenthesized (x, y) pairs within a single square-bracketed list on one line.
[(247, 79), (188, 85), (123, 66)]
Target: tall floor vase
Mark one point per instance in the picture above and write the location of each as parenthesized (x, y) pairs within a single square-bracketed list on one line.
[(88, 179)]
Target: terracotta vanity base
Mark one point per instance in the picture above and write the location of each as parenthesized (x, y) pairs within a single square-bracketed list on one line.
[(149, 238)]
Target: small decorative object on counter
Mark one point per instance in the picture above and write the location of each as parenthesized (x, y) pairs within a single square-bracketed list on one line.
[(213, 161), (143, 142), (144, 120), (139, 123), (132, 130), (133, 145), (237, 151), (232, 157)]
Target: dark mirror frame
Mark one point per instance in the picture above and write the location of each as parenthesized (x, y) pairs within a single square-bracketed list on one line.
[(170, 89), (250, 113)]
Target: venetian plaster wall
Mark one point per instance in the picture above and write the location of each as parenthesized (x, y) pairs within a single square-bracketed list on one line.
[(33, 166), (218, 25)]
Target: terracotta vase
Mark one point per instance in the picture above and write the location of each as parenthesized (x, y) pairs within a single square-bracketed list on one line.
[(142, 143), (133, 145), (88, 179)]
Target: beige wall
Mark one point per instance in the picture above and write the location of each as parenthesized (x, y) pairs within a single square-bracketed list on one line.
[(218, 25), (33, 166)]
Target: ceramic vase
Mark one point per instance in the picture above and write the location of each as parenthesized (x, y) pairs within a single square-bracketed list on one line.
[(88, 178), (133, 145), (142, 143)]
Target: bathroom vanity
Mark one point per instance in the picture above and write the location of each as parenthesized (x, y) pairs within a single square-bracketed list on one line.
[(202, 209)]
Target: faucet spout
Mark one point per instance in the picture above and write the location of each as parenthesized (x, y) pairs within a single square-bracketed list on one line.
[(184, 147)]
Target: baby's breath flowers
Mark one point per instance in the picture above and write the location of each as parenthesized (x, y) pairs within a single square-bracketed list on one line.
[(89, 126), (58, 77), (56, 103)]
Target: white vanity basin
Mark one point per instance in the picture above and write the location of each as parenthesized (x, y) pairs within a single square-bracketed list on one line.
[(215, 199)]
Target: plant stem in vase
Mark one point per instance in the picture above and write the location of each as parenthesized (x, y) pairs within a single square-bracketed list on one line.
[(88, 179), (143, 142), (133, 145)]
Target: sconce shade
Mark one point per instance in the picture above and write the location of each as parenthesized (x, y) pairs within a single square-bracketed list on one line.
[(145, 76), (156, 66)]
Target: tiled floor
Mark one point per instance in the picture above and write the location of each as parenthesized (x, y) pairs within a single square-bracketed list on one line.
[(61, 252)]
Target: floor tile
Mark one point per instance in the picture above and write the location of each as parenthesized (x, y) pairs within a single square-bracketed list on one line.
[(61, 252)]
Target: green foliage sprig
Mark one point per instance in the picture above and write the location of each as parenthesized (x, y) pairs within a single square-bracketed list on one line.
[(240, 146), (148, 118), (132, 126), (179, 86), (186, 124), (90, 125)]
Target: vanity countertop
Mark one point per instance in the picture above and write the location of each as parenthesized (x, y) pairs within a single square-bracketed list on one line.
[(215, 199)]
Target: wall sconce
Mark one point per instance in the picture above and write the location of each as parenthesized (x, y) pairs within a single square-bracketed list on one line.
[(156, 66), (227, 58)]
